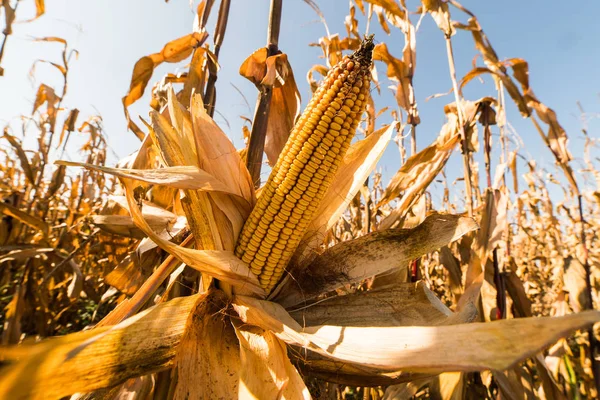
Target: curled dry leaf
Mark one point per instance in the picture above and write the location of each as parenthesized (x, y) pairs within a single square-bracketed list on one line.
[(401, 71), (395, 13), (26, 218), (174, 51), (275, 72), (441, 15), (416, 175), (25, 164)]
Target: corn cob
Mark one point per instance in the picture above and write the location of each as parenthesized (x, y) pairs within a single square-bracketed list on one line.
[(305, 168)]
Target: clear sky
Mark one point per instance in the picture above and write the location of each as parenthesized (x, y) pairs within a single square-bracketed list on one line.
[(560, 42)]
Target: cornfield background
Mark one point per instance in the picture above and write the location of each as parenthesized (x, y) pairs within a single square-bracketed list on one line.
[(121, 282)]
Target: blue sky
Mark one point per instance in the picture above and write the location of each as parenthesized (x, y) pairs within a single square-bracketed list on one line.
[(559, 41)]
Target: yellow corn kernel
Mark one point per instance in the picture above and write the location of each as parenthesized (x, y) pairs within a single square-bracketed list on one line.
[(305, 168)]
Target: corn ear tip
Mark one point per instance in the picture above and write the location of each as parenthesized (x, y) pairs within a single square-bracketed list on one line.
[(364, 54)]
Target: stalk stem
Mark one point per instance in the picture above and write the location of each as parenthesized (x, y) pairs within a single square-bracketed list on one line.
[(263, 103), (461, 128)]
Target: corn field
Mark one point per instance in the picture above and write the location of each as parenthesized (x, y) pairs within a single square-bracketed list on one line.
[(178, 273)]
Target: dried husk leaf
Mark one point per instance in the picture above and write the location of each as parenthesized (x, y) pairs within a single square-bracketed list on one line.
[(97, 358), (190, 178), (223, 265), (407, 304), (266, 371), (208, 350), (355, 260), (493, 345), (315, 365)]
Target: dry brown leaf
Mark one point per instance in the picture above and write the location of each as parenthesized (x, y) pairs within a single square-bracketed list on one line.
[(494, 345), (97, 358), (11, 333), (188, 177), (174, 51), (126, 276), (223, 265), (24, 254), (400, 71), (575, 284), (355, 260), (208, 350), (406, 304), (493, 227), (275, 72), (395, 13), (441, 15), (25, 164), (452, 265), (417, 173), (266, 371), (27, 219)]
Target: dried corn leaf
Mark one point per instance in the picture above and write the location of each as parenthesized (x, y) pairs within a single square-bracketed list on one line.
[(427, 162), (28, 219), (493, 227), (416, 175), (355, 260), (208, 350), (266, 371), (128, 307), (441, 15), (284, 109), (46, 94), (24, 254), (407, 304), (191, 178), (575, 284), (452, 265), (174, 51), (11, 333), (25, 164), (97, 358), (395, 13), (223, 265), (494, 345), (126, 276), (401, 71)]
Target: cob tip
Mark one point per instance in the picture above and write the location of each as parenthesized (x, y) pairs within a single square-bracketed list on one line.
[(364, 54)]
